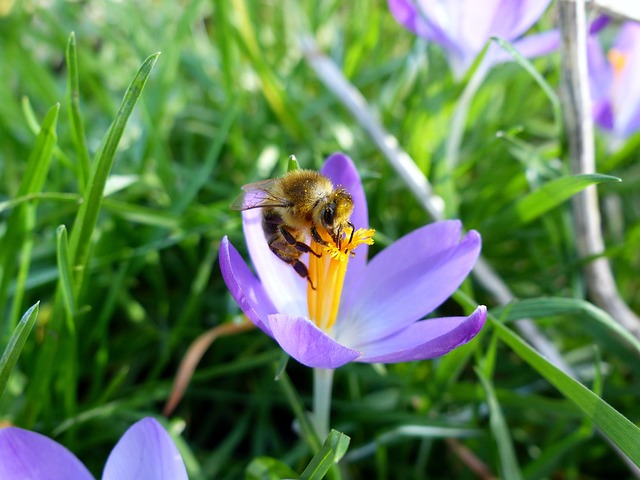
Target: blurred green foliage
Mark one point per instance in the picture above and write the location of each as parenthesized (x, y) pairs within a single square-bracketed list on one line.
[(228, 100)]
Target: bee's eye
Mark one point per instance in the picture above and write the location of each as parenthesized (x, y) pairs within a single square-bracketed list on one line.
[(329, 214)]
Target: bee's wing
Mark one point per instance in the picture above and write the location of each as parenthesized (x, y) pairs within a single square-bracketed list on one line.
[(258, 195)]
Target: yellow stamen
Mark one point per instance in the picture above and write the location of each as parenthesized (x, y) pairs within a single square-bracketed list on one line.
[(327, 274), (618, 60)]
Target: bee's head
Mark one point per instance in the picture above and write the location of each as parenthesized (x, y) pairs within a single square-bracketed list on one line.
[(335, 214)]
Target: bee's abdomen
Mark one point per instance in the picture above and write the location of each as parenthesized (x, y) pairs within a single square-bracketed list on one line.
[(271, 221)]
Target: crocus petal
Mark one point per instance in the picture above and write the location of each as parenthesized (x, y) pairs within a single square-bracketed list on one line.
[(518, 16), (305, 342), (407, 13), (145, 452), (463, 27), (598, 24), (603, 114), (600, 73), (407, 280), (30, 455), (626, 98), (286, 289), (342, 172), (244, 286), (426, 339), (538, 44)]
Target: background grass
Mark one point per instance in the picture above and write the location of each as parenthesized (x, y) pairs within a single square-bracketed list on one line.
[(229, 99)]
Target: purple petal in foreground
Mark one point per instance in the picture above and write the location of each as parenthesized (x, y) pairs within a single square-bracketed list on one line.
[(145, 452), (408, 280), (425, 339), (29, 455), (286, 289), (309, 345), (244, 286)]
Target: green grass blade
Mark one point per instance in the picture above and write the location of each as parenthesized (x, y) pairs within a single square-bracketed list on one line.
[(543, 199), (89, 210), (308, 432), (332, 450), (73, 106), (540, 80), (500, 429), (64, 275), (17, 341), (19, 225), (40, 158), (268, 468), (549, 307), (612, 423)]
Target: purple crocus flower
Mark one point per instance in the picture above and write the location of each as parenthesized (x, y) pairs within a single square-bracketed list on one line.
[(463, 27), (614, 80), (369, 312), (145, 452)]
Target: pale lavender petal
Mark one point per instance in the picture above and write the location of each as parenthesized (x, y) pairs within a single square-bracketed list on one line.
[(416, 19), (407, 13), (145, 452), (244, 286), (538, 44), (603, 114), (476, 22), (30, 455), (342, 172), (408, 280), (632, 123), (286, 289), (600, 73), (425, 339), (518, 16), (309, 345), (626, 95)]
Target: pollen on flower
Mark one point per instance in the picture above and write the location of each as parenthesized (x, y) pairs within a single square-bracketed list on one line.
[(617, 59), (348, 243), (327, 274)]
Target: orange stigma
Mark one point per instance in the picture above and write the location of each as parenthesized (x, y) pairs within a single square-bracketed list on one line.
[(618, 60), (327, 274)]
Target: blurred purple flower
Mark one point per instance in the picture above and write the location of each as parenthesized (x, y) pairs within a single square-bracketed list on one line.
[(463, 27), (373, 316), (615, 80), (145, 452)]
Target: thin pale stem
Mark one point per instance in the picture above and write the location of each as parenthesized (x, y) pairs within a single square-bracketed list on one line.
[(579, 126), (322, 386)]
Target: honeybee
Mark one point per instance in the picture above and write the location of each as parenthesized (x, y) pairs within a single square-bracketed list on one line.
[(294, 207)]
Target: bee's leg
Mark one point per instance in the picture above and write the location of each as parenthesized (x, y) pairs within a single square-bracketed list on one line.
[(316, 237), (298, 266), (300, 246), (301, 269), (353, 230)]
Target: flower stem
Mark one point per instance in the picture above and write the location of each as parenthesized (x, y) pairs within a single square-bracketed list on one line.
[(322, 385)]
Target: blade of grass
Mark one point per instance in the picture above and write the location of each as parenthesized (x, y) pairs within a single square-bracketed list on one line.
[(553, 306), (87, 217), (73, 106), (624, 434), (14, 347), (332, 450), (540, 80), (500, 429), (64, 276), (543, 199), (17, 237)]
